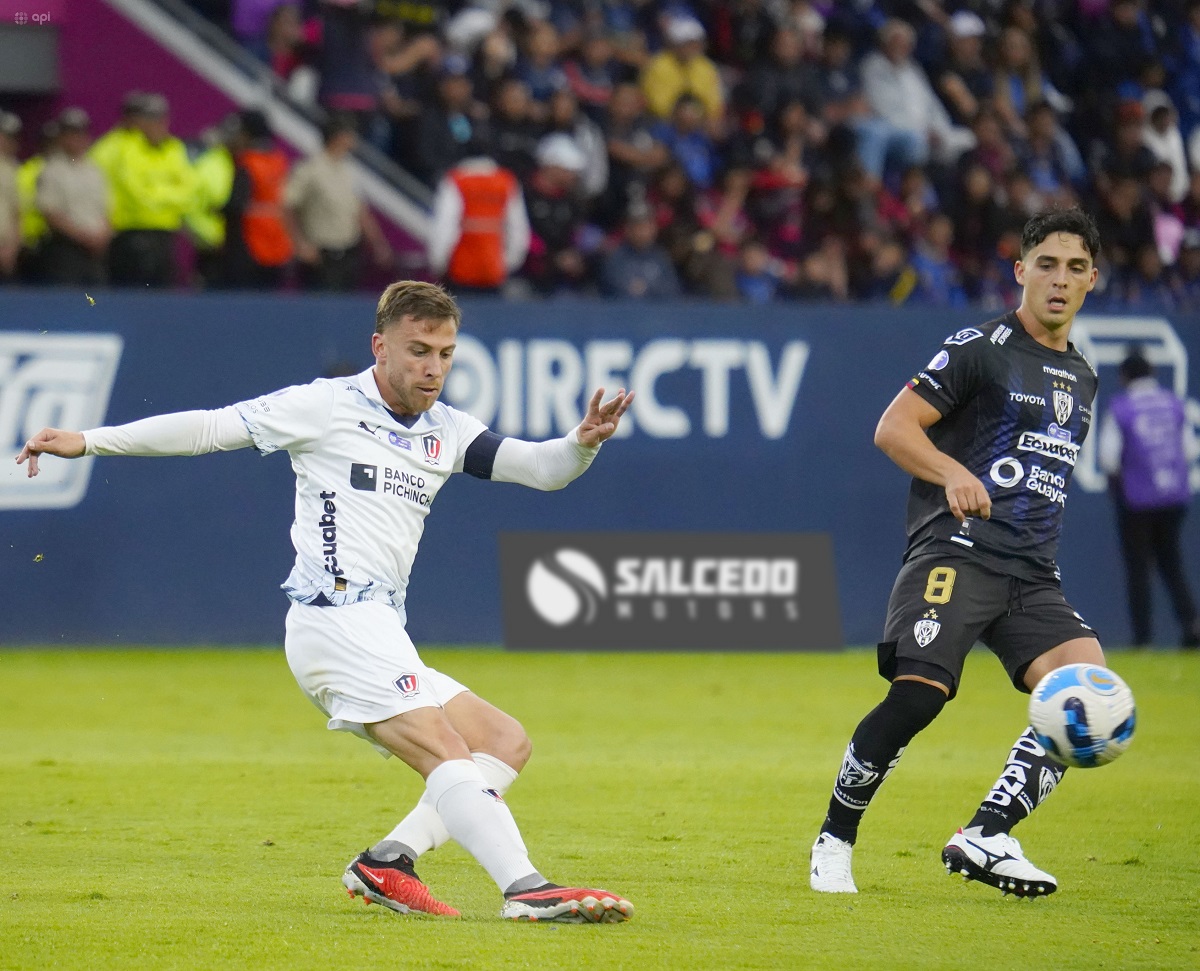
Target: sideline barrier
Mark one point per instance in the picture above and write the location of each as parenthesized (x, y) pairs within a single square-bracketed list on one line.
[(747, 420)]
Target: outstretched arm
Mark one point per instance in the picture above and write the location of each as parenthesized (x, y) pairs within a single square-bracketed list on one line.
[(901, 436), (181, 433), (552, 465)]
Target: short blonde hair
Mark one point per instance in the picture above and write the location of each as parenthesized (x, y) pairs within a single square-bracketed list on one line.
[(420, 301)]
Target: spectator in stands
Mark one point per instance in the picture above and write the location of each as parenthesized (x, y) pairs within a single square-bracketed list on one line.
[(639, 267), (1166, 213), (479, 232), (1124, 154), (1117, 50), (447, 127), (742, 31), (1185, 274), (350, 83), (784, 77), (250, 19), (992, 148), (683, 69), (593, 74), (938, 282), (152, 186), (566, 118), (401, 63), (783, 159), (1020, 82), (760, 276), (1126, 222), (688, 141), (1145, 288), (34, 230), (1050, 157), (703, 269), (539, 66), (512, 134), (634, 154), (898, 91), (258, 239), (330, 218), (74, 199), (978, 222), (1161, 134), (558, 260), (964, 80), (10, 205), (213, 167), (290, 47)]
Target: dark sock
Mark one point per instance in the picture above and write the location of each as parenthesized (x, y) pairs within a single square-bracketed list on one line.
[(1029, 776), (874, 750)]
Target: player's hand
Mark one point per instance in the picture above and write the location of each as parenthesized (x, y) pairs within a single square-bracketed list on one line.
[(51, 441), (601, 420), (967, 496)]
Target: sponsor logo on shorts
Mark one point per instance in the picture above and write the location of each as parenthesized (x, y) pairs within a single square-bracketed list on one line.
[(494, 794), (927, 628), (407, 685)]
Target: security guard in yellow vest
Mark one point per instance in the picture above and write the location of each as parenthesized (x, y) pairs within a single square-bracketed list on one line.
[(34, 229), (153, 186)]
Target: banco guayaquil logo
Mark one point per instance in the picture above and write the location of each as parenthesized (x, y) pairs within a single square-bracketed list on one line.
[(566, 586), (55, 380)]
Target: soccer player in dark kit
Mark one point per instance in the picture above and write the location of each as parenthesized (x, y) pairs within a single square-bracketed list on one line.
[(990, 431)]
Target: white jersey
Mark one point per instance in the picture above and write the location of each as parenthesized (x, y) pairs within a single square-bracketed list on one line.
[(364, 483)]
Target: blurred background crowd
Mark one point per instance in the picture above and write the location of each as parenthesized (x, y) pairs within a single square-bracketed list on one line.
[(752, 150)]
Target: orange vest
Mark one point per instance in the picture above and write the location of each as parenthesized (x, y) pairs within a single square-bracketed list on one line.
[(263, 227), (478, 258)]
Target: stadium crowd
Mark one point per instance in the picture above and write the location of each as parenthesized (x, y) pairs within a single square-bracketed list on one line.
[(753, 150)]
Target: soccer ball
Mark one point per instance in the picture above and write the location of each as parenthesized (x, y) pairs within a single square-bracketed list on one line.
[(1083, 715)]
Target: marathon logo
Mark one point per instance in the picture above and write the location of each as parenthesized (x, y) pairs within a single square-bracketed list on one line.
[(1059, 373), (1049, 447)]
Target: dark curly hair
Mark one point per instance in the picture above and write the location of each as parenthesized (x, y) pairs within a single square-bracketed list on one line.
[(1074, 221)]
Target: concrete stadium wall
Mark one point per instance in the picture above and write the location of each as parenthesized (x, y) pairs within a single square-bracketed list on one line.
[(748, 419)]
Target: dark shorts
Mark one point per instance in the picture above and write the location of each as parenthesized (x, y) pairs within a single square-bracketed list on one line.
[(942, 604)]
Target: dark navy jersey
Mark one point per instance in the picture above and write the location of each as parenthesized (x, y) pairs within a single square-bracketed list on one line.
[(1015, 413)]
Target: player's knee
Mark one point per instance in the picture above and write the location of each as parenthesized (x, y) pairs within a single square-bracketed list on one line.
[(510, 743), (915, 703)]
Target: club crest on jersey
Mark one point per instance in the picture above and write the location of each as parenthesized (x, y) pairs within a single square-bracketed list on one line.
[(1064, 404), (407, 685), (927, 628), (433, 448)]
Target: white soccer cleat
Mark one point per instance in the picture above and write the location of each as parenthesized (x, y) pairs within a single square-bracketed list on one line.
[(997, 861), (829, 865)]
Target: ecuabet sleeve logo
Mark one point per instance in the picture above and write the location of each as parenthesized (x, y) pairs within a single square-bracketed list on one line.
[(55, 380)]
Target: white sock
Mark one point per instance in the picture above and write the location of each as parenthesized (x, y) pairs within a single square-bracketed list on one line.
[(422, 829), (479, 821)]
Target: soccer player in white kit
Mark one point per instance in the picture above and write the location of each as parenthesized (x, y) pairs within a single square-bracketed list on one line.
[(370, 453)]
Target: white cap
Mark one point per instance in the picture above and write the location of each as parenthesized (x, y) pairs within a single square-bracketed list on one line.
[(967, 24), (684, 30), (561, 151)]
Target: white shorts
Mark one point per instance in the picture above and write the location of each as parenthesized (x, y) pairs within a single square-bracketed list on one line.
[(357, 664)]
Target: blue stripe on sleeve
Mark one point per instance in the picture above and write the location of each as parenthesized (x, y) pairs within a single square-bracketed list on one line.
[(481, 454)]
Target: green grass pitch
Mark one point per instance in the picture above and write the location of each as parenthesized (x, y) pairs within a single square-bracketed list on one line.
[(187, 809)]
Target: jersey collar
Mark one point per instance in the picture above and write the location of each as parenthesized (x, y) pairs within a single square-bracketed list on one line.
[(366, 384)]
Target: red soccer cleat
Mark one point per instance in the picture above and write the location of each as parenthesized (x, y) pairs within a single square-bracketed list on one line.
[(567, 905), (395, 885)]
